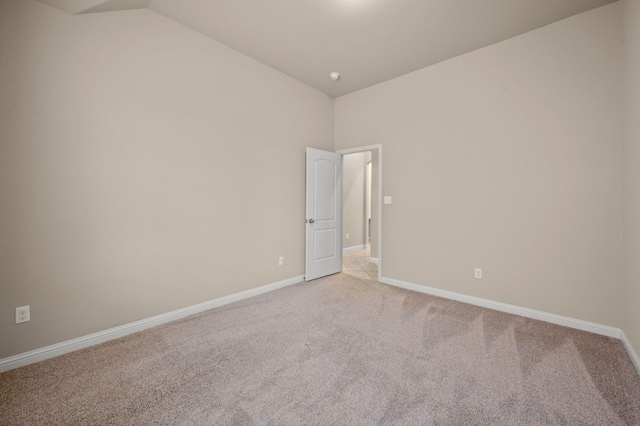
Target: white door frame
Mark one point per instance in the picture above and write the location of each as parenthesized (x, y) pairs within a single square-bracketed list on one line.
[(379, 149)]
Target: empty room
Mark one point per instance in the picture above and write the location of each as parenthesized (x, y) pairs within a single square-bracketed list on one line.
[(297, 212)]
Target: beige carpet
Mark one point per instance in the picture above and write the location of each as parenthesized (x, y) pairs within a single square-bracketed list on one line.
[(338, 350)]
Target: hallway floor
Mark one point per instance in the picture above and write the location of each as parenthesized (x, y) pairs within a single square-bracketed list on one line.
[(357, 264)]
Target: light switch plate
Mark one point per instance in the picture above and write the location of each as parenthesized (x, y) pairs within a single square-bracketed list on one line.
[(387, 199)]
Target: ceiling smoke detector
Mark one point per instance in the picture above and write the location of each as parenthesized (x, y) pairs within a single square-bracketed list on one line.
[(334, 75)]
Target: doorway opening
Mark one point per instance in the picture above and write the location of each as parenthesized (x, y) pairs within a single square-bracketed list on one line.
[(362, 211)]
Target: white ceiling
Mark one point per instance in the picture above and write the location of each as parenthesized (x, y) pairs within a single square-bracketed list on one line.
[(366, 41)]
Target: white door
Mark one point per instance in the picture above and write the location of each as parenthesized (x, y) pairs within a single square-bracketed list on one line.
[(324, 214)]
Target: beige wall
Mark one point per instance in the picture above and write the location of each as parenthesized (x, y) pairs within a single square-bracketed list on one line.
[(143, 168), (353, 199), (631, 74), (507, 159)]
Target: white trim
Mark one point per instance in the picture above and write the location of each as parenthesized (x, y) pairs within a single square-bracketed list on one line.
[(373, 260), (354, 248), (359, 149), (379, 211), (511, 309), (47, 352), (377, 147), (631, 351)]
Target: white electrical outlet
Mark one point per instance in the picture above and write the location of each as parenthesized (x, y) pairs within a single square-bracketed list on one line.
[(23, 314), (387, 199), (478, 273), (281, 261), (347, 236)]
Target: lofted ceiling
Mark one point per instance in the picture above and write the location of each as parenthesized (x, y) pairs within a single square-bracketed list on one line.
[(366, 41)]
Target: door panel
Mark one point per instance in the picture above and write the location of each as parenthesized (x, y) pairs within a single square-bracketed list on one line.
[(325, 183), (324, 214), (325, 243)]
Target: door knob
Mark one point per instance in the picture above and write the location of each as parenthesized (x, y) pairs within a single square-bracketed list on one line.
[(311, 220)]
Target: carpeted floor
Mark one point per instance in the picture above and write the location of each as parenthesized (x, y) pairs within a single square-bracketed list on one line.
[(338, 350)]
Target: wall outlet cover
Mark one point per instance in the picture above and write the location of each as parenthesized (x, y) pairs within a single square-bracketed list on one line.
[(23, 314)]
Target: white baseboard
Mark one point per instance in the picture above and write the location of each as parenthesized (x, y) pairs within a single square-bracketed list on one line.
[(511, 309), (631, 351), (47, 352), (57, 349), (354, 248), (373, 260)]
